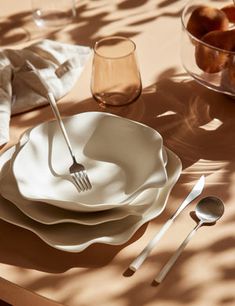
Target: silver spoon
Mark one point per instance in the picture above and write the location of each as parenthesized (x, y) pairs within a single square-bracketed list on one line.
[(208, 210)]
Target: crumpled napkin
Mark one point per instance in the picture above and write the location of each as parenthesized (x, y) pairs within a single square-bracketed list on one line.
[(59, 64)]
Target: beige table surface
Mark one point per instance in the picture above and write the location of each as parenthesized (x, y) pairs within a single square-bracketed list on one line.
[(197, 124)]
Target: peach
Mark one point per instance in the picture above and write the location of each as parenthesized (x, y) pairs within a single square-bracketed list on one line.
[(211, 59), (205, 19), (229, 10)]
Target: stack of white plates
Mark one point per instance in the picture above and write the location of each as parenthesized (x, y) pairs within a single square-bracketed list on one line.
[(131, 172)]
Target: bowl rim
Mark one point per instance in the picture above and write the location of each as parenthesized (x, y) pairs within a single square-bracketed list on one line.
[(186, 7)]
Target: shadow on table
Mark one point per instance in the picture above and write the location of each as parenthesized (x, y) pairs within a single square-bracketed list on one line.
[(3, 303), (177, 288), (197, 125), (26, 250), (13, 29), (139, 291), (93, 17)]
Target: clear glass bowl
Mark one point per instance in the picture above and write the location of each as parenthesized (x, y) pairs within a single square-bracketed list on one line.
[(196, 55)]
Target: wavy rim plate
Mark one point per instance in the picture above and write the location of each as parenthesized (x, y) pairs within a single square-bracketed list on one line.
[(49, 214), (71, 237), (42, 172)]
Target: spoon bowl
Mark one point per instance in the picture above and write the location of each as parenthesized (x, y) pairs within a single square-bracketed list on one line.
[(209, 209)]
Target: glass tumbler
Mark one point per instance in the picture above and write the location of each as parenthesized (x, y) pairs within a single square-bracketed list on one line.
[(53, 13), (115, 77)]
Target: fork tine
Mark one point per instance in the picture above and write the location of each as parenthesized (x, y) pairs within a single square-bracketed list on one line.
[(77, 183), (87, 180), (80, 179)]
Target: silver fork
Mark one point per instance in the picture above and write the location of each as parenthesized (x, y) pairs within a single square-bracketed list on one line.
[(77, 171)]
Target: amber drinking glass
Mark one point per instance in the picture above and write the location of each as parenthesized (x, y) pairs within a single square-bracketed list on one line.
[(116, 78)]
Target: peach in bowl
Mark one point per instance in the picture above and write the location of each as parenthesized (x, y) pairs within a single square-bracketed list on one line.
[(208, 44)]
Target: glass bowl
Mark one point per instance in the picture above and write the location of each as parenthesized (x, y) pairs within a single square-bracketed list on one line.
[(210, 65)]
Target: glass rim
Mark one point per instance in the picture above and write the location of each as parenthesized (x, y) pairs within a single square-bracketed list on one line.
[(198, 39), (123, 38)]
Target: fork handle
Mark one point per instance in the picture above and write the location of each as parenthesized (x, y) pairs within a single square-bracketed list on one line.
[(56, 112), (51, 99)]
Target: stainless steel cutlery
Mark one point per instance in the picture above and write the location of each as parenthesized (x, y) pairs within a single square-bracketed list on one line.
[(77, 171), (195, 192)]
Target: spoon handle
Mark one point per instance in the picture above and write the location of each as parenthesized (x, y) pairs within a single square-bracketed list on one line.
[(166, 268)]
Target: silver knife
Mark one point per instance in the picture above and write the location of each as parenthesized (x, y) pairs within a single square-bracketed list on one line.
[(195, 192)]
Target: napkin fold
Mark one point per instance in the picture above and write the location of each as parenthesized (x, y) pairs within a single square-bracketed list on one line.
[(59, 64)]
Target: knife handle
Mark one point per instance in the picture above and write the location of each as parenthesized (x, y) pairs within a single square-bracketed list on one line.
[(137, 262)]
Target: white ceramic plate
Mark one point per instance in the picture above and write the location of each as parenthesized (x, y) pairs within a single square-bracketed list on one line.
[(75, 238), (122, 158), (49, 214)]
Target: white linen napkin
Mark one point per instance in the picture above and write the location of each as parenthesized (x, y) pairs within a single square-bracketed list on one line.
[(59, 64)]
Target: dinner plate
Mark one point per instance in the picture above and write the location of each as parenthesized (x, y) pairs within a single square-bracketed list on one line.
[(49, 214), (72, 237), (122, 158)]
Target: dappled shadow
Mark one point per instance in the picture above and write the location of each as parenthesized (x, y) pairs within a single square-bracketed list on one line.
[(165, 3), (93, 18), (172, 289), (13, 30), (177, 287), (196, 124)]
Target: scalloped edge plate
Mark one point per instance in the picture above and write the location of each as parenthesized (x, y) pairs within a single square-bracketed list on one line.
[(71, 237)]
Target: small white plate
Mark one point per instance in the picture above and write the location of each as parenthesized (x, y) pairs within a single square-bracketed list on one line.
[(75, 238), (49, 214), (122, 158)]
